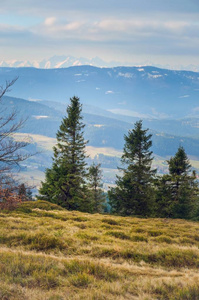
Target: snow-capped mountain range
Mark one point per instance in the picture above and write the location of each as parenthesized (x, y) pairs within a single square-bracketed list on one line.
[(63, 61), (57, 62)]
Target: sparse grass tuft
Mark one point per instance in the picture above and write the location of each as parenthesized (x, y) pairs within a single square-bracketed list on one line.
[(188, 293), (119, 235), (81, 280), (110, 221), (139, 238), (164, 239)]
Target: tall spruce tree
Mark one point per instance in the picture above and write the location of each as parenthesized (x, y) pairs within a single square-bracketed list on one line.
[(133, 194), (65, 182), (177, 192)]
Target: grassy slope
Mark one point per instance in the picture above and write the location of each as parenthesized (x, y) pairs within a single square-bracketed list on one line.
[(53, 254)]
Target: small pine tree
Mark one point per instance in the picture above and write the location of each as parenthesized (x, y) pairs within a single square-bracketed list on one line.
[(184, 186), (95, 188), (24, 192), (133, 194), (65, 182), (177, 192), (163, 206)]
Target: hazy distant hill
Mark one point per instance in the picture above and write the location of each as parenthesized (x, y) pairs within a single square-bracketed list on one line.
[(146, 92), (101, 131)]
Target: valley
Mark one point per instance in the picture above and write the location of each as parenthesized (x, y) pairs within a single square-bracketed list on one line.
[(113, 99)]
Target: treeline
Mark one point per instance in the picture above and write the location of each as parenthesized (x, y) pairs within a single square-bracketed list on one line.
[(138, 191)]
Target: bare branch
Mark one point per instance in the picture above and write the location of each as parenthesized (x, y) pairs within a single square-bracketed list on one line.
[(7, 87), (11, 150)]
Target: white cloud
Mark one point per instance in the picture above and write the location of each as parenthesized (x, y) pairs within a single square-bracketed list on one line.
[(50, 21), (73, 26), (128, 30)]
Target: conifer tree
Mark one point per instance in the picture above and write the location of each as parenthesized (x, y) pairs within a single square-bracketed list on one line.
[(24, 192), (96, 193), (65, 182), (177, 191), (133, 194)]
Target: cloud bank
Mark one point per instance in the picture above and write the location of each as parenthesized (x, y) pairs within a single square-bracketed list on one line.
[(159, 30)]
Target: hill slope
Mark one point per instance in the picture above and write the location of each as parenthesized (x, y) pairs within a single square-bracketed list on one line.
[(102, 130), (141, 92), (51, 254)]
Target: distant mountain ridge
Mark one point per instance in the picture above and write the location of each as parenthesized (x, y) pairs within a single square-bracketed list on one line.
[(142, 92), (101, 131), (65, 61), (58, 62)]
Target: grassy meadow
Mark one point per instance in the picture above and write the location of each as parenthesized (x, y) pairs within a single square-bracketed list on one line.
[(49, 253)]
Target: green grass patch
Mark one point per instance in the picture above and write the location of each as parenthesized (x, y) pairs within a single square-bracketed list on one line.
[(44, 205)]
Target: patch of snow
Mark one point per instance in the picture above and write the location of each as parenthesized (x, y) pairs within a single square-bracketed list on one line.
[(61, 63), (78, 74), (126, 75), (34, 100), (77, 63), (47, 65), (190, 77), (154, 76), (40, 117), (141, 70), (184, 96), (80, 80), (109, 92), (98, 125)]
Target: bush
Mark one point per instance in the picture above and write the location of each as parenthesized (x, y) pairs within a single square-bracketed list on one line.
[(10, 200)]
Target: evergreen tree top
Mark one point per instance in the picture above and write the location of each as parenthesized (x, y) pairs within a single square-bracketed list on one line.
[(137, 144), (179, 164)]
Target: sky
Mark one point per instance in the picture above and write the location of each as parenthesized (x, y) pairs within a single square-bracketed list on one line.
[(164, 32)]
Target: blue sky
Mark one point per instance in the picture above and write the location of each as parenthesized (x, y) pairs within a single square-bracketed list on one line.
[(134, 31)]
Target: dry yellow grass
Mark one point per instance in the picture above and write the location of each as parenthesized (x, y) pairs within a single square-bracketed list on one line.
[(53, 254)]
